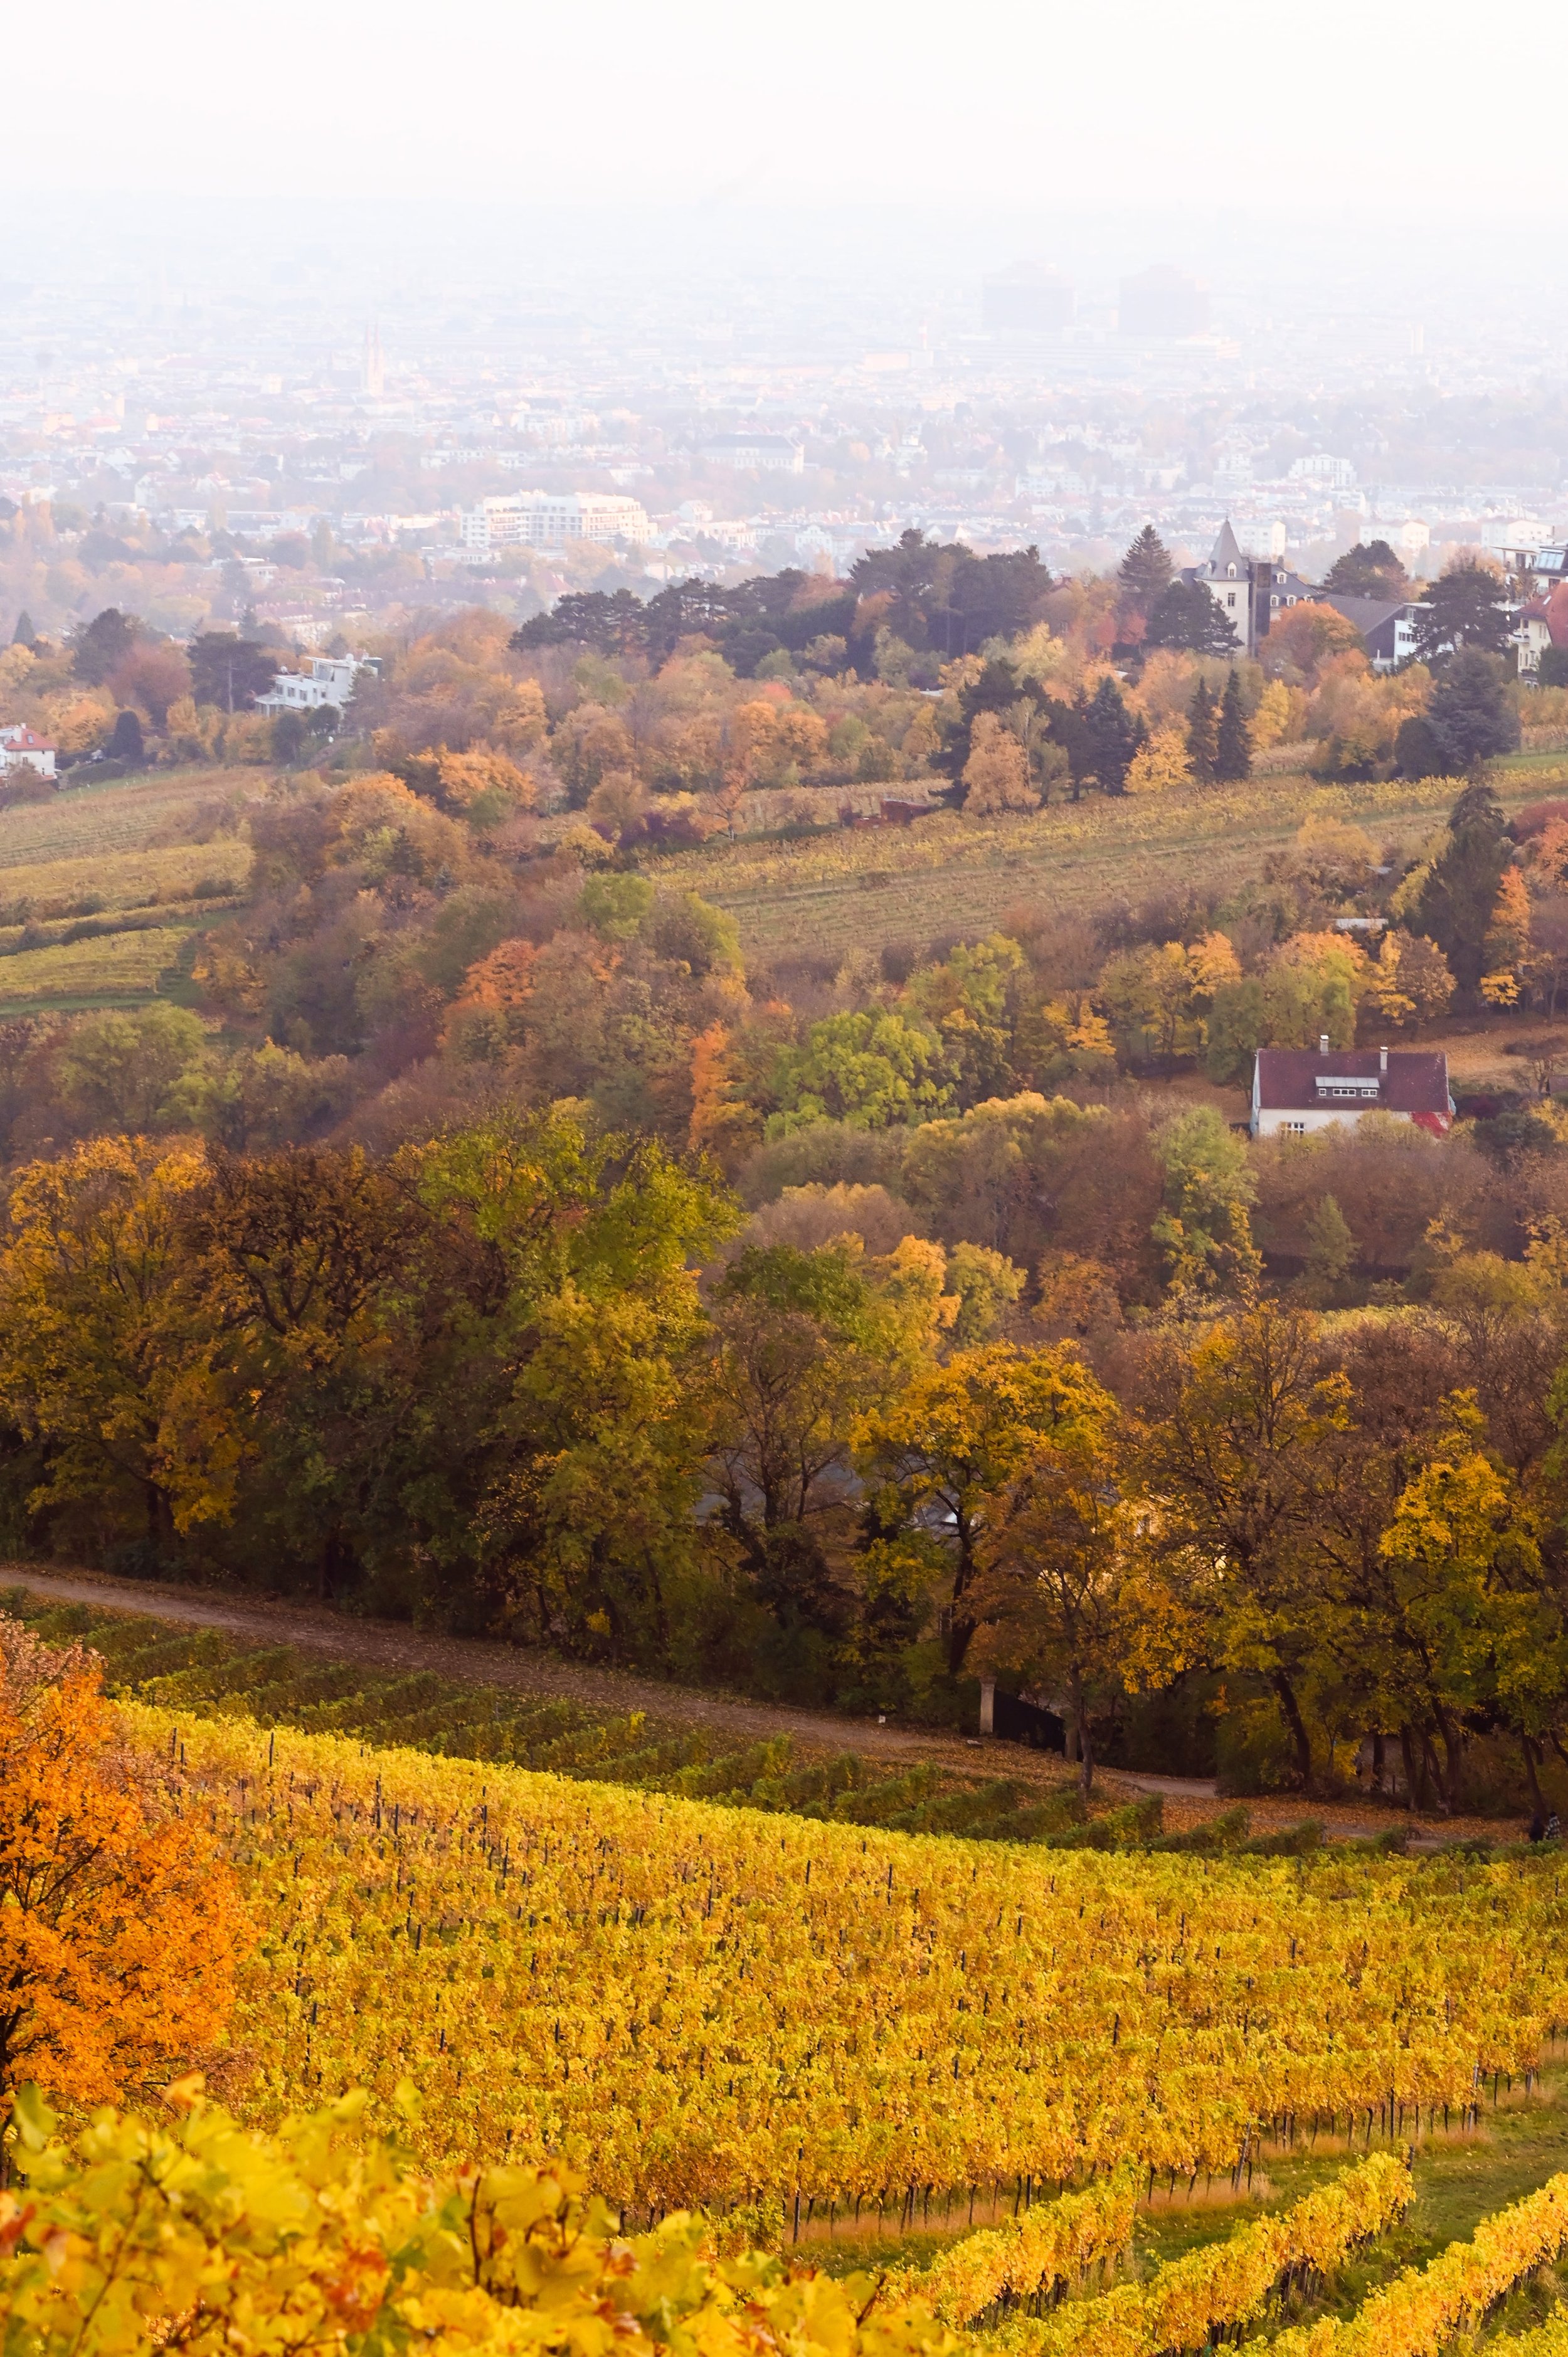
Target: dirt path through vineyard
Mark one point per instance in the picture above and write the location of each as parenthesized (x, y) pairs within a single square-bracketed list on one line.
[(393, 1645)]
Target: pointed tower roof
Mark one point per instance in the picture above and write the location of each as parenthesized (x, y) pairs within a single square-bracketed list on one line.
[(1226, 553)]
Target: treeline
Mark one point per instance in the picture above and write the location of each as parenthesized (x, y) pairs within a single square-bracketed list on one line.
[(983, 680), (537, 1379)]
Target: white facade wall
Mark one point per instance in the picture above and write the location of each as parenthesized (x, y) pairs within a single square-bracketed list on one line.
[(1298, 1121), (551, 520)]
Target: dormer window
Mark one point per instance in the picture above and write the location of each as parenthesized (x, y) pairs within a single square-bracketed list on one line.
[(1231, 572)]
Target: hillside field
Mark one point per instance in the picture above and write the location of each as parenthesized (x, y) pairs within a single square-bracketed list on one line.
[(102, 851), (826, 894)]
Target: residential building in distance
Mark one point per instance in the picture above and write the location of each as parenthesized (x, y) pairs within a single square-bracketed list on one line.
[(1030, 300), (1241, 585), (1294, 1091), (773, 453), (326, 679), (1323, 468), (22, 748), (1162, 302), (1531, 635), (1286, 590), (1388, 628), (1549, 565), (551, 520)]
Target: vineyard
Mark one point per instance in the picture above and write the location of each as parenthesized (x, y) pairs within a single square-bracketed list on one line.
[(847, 889), (205, 1672), (114, 965), (696, 2006), (43, 889), (848, 2090), (90, 821)]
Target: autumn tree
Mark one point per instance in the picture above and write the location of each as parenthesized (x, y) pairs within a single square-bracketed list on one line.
[(804, 1344), (868, 1069), (1049, 1600), (1205, 1228), (296, 1259), (956, 1436), (136, 1069), (120, 1929), (1235, 1464), (573, 1374), (102, 1354), (997, 774)]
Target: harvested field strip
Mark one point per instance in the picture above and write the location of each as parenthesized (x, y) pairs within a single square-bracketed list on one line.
[(128, 962), (125, 879)]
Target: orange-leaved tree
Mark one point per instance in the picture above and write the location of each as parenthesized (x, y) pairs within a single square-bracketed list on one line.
[(120, 1927)]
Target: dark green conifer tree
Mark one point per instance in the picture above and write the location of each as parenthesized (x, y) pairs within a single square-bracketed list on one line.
[(1233, 742), (1202, 735)]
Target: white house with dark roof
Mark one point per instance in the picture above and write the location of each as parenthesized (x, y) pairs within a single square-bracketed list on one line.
[(1298, 1090), (1390, 628)]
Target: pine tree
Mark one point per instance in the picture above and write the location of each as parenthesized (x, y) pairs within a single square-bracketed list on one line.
[(1144, 571), (1455, 909), (1112, 736), (23, 635), (1202, 735), (1233, 744)]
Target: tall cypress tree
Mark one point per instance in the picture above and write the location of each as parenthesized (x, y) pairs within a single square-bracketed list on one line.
[(1202, 735), (1233, 744)]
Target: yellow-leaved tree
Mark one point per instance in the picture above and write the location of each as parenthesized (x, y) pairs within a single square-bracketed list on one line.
[(104, 1356), (938, 1455), (997, 774), (1161, 764)]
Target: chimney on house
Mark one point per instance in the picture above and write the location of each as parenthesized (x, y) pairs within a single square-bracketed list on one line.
[(1383, 1063), (1323, 1043)]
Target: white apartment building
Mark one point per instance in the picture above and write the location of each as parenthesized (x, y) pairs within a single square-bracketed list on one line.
[(551, 520), (327, 679), (775, 453)]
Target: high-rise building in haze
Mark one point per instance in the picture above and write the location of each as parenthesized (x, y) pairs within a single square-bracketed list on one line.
[(1029, 300), (374, 368), (1162, 302)]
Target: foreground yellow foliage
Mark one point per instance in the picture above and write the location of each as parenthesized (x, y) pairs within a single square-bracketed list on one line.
[(201, 2237)]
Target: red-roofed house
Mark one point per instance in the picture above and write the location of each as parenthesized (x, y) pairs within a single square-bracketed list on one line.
[(22, 748), (1295, 1088)]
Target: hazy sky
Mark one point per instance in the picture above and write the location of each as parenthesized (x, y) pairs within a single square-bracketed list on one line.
[(1398, 114)]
